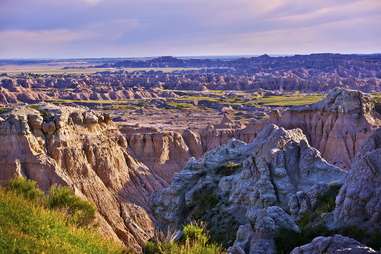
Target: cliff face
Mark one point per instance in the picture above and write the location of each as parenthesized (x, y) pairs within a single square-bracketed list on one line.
[(166, 152), (337, 126), (84, 150), (163, 152), (359, 200), (247, 189)]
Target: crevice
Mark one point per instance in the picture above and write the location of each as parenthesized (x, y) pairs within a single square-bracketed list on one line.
[(273, 183)]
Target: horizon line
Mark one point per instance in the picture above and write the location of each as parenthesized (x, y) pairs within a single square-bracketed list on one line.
[(185, 56)]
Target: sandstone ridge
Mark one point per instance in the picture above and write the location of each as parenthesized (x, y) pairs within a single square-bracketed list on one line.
[(86, 151)]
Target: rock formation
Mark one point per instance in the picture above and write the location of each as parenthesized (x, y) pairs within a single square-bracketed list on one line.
[(163, 152), (333, 245), (359, 200), (249, 188), (337, 126), (166, 152), (86, 151)]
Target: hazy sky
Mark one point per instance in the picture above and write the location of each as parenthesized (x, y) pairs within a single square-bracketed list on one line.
[(123, 28)]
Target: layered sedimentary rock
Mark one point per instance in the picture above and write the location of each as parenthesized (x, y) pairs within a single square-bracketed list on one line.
[(73, 88), (333, 245), (337, 126), (248, 188), (166, 152), (86, 151), (359, 200), (163, 152)]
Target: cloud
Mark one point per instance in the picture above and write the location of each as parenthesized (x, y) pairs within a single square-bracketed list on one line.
[(186, 27), (92, 2)]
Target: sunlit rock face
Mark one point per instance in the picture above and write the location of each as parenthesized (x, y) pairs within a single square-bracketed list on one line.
[(337, 126), (86, 151)]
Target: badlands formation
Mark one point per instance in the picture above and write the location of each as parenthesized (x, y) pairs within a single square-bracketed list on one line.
[(248, 193), (86, 151), (336, 126)]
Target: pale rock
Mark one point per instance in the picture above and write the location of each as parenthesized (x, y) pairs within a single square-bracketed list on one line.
[(241, 179), (337, 126), (359, 200), (333, 245)]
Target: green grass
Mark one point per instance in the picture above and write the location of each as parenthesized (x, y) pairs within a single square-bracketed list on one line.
[(199, 98), (80, 212), (195, 240), (3, 110), (275, 100), (288, 100), (180, 105), (27, 226), (216, 96)]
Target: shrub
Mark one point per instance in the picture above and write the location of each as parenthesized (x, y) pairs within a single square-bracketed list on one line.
[(286, 240), (195, 232), (228, 168), (195, 240), (26, 188), (371, 239), (206, 200), (80, 212), (311, 223), (221, 225)]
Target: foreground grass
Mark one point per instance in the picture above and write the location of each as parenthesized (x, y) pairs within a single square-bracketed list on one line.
[(28, 227), (195, 240)]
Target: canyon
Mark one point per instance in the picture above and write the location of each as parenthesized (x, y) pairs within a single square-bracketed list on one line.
[(120, 167), (260, 149)]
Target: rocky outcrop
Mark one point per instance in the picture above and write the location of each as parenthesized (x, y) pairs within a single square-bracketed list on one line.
[(249, 188), (166, 152), (86, 151), (333, 245), (337, 126), (163, 152), (359, 200), (69, 88)]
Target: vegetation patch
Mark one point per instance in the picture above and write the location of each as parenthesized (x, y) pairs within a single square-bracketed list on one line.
[(286, 240), (221, 225), (195, 240), (4, 110), (205, 201), (371, 239), (288, 100), (80, 212), (28, 226), (228, 168), (180, 105), (312, 225), (76, 210)]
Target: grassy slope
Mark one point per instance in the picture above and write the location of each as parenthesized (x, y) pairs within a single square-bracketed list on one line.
[(26, 227), (291, 100)]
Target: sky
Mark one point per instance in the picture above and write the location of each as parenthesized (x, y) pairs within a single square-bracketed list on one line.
[(134, 28)]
